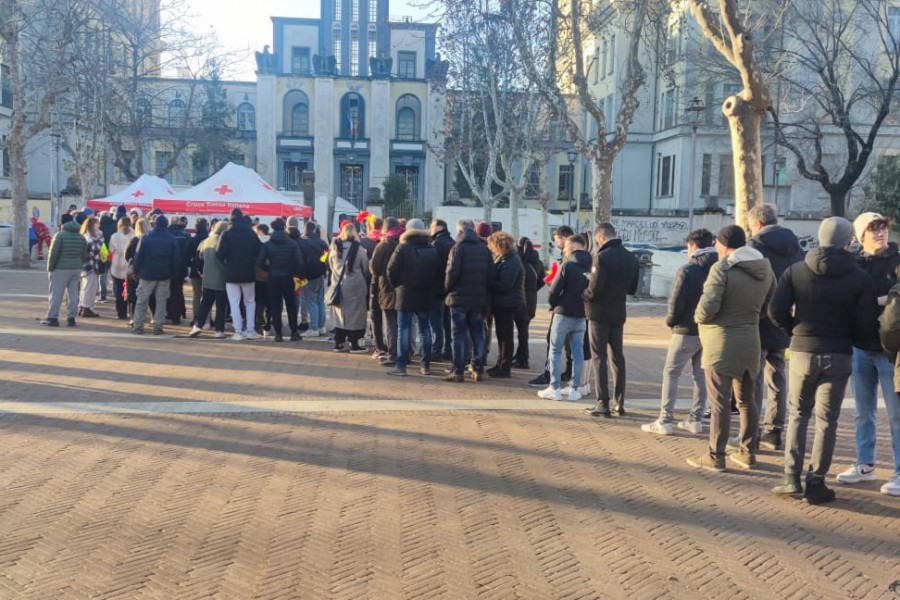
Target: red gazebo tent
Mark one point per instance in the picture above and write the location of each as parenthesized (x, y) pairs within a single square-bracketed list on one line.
[(232, 187)]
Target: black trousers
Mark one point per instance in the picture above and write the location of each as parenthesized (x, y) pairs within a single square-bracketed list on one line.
[(503, 324), (390, 320), (522, 321), (175, 308), (606, 345), (280, 295), (378, 325), (121, 303), (263, 317), (207, 298)]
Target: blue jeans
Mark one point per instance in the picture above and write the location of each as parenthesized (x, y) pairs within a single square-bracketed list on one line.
[(440, 324), (313, 298), (404, 324), (467, 323), (562, 329), (869, 369)]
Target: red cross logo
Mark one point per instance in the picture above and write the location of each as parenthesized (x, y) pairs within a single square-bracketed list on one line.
[(137, 194), (223, 189)]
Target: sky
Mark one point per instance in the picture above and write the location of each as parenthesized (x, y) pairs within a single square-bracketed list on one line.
[(249, 30)]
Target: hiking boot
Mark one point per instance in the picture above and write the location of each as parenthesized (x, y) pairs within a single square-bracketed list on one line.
[(50, 322), (658, 428), (856, 474), (601, 409), (707, 462), (541, 381), (789, 485), (816, 491), (771, 440)]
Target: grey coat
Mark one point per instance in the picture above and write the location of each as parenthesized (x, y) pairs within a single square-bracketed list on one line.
[(213, 269), (351, 314)]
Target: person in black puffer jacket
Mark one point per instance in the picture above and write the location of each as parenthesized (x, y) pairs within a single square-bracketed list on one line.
[(568, 324), (684, 343), (175, 306), (412, 271), (469, 274), (507, 297), (387, 297), (201, 232), (155, 261), (108, 226), (440, 312), (312, 295), (534, 281), (826, 303), (369, 243), (238, 250), (280, 257), (781, 247)]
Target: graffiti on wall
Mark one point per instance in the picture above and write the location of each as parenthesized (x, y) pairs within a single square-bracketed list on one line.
[(661, 232)]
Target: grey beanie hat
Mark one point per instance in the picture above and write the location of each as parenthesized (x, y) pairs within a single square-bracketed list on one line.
[(416, 224), (835, 232)]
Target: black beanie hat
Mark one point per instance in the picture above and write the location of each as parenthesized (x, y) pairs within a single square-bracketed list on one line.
[(278, 225), (236, 214), (732, 236)]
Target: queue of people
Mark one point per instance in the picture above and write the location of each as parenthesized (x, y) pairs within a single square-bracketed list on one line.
[(736, 308)]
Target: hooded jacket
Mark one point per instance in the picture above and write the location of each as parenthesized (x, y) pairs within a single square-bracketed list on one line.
[(211, 268), (238, 250), (882, 269), (686, 291), (280, 256), (782, 248), (469, 273), (108, 227), (157, 258), (508, 283), (192, 257), (387, 297), (565, 295), (443, 242), (824, 302), (68, 250), (413, 271), (614, 276), (734, 298)]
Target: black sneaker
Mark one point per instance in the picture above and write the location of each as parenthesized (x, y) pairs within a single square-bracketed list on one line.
[(303, 328), (601, 409), (541, 381), (278, 337), (50, 322), (817, 492), (295, 336), (70, 322), (707, 415)]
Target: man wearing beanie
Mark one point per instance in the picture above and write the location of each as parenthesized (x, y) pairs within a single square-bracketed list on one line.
[(734, 297), (880, 259), (826, 303), (155, 263)]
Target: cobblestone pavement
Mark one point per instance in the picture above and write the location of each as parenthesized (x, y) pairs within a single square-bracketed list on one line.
[(312, 475)]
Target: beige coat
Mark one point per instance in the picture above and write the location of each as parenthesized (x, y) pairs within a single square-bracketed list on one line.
[(118, 243), (735, 295)]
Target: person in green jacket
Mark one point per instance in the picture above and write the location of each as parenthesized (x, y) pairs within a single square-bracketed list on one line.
[(735, 296), (213, 284), (68, 252)]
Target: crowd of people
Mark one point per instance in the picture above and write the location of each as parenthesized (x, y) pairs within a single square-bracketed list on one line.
[(736, 308)]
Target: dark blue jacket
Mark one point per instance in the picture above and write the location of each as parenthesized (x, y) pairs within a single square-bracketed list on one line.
[(508, 285), (280, 256), (614, 276), (469, 273), (565, 292), (781, 247), (157, 257), (443, 242), (686, 291), (238, 250)]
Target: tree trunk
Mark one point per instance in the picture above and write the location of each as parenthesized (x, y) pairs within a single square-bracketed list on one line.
[(746, 153), (514, 211), (19, 181), (602, 197), (838, 202)]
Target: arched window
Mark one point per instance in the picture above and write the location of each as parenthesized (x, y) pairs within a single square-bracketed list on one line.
[(296, 114), (143, 112), (176, 112), (353, 116), (246, 117), (408, 112)]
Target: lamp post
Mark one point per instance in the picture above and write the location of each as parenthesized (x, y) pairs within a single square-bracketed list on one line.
[(572, 156), (695, 112)]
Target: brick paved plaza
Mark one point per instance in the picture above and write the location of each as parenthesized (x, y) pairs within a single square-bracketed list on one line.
[(165, 467)]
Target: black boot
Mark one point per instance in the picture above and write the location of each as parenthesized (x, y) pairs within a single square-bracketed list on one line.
[(816, 491), (601, 409), (619, 409), (771, 440)]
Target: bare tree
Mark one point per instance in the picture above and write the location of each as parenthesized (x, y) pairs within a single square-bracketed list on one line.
[(839, 76), (558, 64), (38, 35), (730, 36)]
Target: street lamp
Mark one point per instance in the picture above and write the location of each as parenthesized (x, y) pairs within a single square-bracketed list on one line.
[(572, 156), (695, 113)]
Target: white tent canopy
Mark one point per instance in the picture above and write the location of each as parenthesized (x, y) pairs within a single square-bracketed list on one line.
[(140, 194), (233, 186)]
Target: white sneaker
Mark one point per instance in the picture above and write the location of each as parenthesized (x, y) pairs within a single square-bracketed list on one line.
[(657, 427), (571, 394), (252, 335), (857, 473), (585, 390), (237, 338), (195, 331), (892, 487), (219, 335), (323, 332), (550, 394), (691, 426)]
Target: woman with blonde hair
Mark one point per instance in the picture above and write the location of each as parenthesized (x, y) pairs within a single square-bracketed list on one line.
[(507, 297), (212, 273), (90, 273), (118, 265), (350, 275), (141, 228)]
